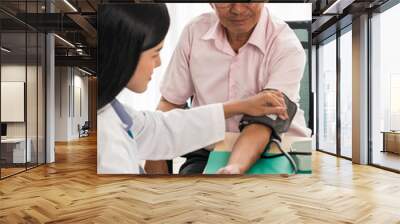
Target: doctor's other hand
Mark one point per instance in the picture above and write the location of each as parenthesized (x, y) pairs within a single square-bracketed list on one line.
[(264, 103)]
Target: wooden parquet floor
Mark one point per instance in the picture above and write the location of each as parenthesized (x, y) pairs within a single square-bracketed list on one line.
[(70, 191)]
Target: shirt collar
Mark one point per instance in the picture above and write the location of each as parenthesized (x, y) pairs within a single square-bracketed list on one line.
[(215, 31), (257, 37)]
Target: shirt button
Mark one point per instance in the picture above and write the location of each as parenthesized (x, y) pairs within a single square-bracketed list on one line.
[(234, 92), (236, 59)]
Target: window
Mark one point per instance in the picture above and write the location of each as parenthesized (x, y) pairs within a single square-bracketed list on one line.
[(327, 96), (346, 95), (385, 89)]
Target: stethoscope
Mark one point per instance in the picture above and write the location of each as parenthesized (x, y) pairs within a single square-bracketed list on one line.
[(123, 116), (127, 122)]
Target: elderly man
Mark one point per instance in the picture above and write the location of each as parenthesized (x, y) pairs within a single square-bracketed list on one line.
[(238, 51)]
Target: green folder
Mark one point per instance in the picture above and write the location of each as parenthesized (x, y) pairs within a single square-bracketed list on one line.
[(274, 165)]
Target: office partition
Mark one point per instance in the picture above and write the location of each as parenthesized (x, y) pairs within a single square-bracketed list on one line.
[(22, 77)]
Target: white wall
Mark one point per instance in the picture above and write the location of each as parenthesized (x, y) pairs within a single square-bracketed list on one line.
[(14, 73), (17, 73), (80, 103), (12, 101), (61, 103), (70, 83), (180, 15), (33, 126), (292, 11)]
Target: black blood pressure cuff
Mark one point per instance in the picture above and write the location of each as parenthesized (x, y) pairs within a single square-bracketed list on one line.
[(278, 126)]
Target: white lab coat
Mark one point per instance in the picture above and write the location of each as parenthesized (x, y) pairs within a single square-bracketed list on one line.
[(157, 136)]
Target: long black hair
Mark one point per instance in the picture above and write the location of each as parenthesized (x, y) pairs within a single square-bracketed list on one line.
[(124, 32)]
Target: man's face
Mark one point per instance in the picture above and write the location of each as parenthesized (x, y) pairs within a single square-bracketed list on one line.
[(239, 17)]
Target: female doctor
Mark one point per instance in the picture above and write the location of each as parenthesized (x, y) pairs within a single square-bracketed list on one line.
[(130, 40)]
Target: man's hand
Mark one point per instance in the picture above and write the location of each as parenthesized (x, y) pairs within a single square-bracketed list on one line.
[(229, 169), (164, 105)]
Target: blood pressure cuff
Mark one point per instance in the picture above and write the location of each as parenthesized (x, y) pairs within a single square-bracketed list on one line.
[(277, 125)]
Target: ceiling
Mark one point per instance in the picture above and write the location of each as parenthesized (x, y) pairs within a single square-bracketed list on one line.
[(76, 22)]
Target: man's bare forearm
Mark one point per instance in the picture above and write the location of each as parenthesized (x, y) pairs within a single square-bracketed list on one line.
[(164, 105), (249, 146), (160, 166)]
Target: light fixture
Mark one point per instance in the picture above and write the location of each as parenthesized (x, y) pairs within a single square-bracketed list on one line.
[(5, 50), (84, 71), (70, 5), (65, 41), (80, 51)]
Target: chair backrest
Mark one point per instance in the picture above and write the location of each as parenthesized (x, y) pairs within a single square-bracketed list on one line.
[(86, 125), (303, 32)]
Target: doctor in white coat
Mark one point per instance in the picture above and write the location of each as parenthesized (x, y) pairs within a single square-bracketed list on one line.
[(130, 39)]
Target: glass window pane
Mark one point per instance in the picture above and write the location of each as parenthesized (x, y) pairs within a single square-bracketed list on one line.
[(31, 97), (23, 87), (41, 98), (385, 114), (14, 153), (327, 96), (346, 94)]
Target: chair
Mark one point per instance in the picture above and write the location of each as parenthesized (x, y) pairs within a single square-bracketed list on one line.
[(84, 130)]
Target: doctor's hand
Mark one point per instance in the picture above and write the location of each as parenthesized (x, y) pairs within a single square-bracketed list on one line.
[(264, 103)]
